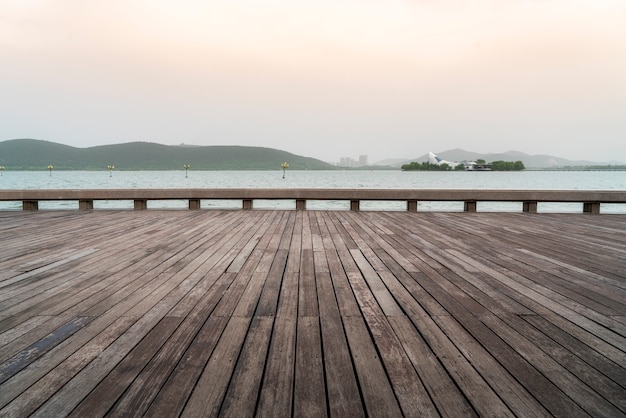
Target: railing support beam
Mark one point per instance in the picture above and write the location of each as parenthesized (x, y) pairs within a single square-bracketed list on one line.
[(85, 205), (355, 205), (194, 204), (411, 205), (247, 204), (469, 206), (300, 204), (591, 207), (529, 206), (140, 204), (30, 205)]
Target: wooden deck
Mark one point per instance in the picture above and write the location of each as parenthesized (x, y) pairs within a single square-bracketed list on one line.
[(312, 313)]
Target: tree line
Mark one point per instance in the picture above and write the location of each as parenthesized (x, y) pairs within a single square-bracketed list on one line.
[(494, 166)]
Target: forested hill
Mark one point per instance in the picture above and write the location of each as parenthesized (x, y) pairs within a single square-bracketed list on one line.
[(33, 154)]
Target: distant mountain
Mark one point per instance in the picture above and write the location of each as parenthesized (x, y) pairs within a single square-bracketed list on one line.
[(33, 154), (530, 161)]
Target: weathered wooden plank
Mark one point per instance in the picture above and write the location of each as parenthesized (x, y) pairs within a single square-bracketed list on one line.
[(558, 305), (573, 375), (408, 387), (103, 397), (572, 343), (549, 394), (288, 299), (295, 245), (594, 286), (309, 393), (345, 298), (25, 398), (144, 388), (376, 286), (344, 398), (342, 389), (476, 388), (276, 395), (378, 396), (232, 295), (241, 397), (20, 360), (172, 397), (488, 314), (67, 398), (307, 300), (208, 393), (268, 301), (436, 379)]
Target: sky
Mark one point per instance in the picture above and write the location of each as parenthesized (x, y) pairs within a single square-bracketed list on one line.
[(324, 79)]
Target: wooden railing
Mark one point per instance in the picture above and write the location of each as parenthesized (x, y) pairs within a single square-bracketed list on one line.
[(591, 199)]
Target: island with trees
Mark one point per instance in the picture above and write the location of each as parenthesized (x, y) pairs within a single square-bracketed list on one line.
[(478, 165)]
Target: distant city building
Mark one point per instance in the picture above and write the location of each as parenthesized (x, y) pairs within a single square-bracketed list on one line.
[(351, 162)]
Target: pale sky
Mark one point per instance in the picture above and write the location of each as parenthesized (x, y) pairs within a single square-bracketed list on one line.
[(324, 78)]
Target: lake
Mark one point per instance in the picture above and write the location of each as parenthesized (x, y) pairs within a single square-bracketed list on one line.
[(534, 180)]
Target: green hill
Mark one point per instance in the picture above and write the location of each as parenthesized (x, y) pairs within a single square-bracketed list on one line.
[(33, 154)]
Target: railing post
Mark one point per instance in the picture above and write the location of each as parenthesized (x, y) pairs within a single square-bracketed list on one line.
[(300, 204), (591, 207), (247, 204), (469, 206), (141, 204), (85, 205), (529, 206), (30, 205), (411, 205), (194, 204), (355, 205)]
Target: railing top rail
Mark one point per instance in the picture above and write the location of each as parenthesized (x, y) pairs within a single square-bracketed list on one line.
[(605, 196)]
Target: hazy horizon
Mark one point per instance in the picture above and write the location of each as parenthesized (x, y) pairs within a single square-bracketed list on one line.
[(320, 79)]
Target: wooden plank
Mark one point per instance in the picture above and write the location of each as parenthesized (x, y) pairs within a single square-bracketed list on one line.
[(563, 307), (47, 267), (21, 329), (550, 395), (276, 394), (378, 395), (19, 361), (615, 370), (345, 298), (65, 399), (173, 396), (295, 245), (573, 375), (488, 314), (309, 393), (512, 398), (104, 396), (436, 380), (307, 300), (593, 286), (268, 301), (144, 388), (475, 387), (407, 385), (208, 393), (376, 286), (241, 397), (21, 397), (342, 389), (73, 392)]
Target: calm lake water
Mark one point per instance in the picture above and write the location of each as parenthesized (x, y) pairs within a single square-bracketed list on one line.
[(539, 180)]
